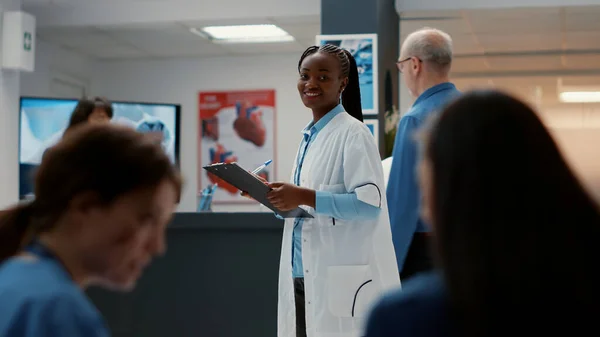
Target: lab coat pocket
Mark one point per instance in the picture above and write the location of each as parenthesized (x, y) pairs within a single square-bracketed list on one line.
[(349, 290)]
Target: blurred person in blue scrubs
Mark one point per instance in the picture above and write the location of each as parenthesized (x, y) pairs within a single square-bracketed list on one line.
[(104, 195), (97, 110), (425, 61), (515, 232)]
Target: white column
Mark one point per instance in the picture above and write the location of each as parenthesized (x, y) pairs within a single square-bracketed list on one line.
[(9, 125)]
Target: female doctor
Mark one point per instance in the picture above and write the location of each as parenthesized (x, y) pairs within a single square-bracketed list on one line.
[(334, 266)]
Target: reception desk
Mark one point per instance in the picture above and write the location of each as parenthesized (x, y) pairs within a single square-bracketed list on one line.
[(217, 279)]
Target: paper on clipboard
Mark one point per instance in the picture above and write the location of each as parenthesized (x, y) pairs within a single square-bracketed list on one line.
[(246, 181)]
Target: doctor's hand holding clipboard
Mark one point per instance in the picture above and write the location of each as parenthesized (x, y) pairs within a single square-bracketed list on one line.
[(284, 196), (256, 173)]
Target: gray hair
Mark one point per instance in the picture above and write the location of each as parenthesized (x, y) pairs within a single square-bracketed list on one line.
[(429, 45)]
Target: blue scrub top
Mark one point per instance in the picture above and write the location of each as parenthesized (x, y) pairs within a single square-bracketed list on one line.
[(38, 298)]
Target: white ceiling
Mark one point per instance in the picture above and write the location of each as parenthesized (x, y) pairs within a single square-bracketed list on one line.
[(81, 13), (117, 29), (522, 50), (173, 39), (505, 40), (517, 40)]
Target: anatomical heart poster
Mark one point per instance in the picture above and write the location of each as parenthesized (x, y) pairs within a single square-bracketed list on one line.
[(235, 126)]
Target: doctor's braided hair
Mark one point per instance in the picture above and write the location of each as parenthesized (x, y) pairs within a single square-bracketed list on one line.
[(351, 94)]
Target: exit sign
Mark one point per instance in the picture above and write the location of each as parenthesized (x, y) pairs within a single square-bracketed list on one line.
[(27, 41), (18, 41)]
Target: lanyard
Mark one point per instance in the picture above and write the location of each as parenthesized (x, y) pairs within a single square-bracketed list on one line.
[(38, 249)]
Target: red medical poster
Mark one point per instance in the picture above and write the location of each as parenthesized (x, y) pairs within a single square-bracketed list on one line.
[(235, 126)]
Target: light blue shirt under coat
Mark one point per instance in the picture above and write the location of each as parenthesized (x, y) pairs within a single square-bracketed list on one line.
[(341, 206)]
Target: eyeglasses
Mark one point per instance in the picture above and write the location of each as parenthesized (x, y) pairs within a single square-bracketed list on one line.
[(400, 62)]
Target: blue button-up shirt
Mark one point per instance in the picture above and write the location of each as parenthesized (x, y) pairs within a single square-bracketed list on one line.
[(403, 193), (339, 206)]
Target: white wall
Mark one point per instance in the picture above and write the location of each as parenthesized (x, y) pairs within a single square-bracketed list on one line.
[(9, 121), (180, 80), (58, 73)]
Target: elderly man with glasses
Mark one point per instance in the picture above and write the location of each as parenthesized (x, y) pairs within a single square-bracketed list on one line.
[(425, 61)]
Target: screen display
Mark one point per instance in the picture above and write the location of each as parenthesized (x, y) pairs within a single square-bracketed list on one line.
[(44, 120)]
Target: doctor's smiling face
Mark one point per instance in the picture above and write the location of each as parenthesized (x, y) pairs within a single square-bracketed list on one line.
[(321, 81)]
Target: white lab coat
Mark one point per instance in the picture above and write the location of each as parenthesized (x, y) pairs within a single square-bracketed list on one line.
[(348, 264), (387, 167)]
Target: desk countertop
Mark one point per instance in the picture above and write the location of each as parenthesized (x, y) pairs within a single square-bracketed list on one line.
[(226, 221)]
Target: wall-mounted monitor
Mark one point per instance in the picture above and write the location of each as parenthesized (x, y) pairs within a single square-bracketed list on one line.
[(44, 120)]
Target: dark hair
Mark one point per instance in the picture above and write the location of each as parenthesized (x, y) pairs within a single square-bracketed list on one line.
[(351, 94), (108, 160), (516, 233), (85, 107)]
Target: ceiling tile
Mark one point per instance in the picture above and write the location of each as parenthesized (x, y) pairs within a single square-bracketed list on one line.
[(119, 53), (583, 40), (520, 42), (592, 120), (265, 48), (514, 13), (294, 20), (146, 27), (233, 22), (162, 41), (302, 31), (520, 21), (530, 63), (429, 14), (466, 44), (77, 38), (469, 64), (472, 84), (577, 10), (452, 27), (308, 42), (591, 61), (188, 50), (36, 2), (503, 31), (583, 22), (580, 81)]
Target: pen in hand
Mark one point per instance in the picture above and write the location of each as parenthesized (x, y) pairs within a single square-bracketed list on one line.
[(262, 167), (255, 172)]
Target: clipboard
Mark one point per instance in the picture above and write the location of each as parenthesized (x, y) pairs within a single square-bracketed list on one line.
[(246, 181)]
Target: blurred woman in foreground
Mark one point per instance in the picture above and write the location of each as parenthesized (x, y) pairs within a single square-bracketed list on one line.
[(104, 195), (517, 236)]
